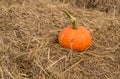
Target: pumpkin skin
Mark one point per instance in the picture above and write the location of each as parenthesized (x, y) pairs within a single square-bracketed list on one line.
[(76, 39)]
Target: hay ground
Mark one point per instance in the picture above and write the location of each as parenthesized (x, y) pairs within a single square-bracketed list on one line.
[(28, 40)]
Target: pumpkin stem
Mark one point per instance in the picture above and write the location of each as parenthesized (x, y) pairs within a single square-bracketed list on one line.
[(73, 19)]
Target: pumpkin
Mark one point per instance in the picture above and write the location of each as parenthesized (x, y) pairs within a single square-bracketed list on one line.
[(74, 37)]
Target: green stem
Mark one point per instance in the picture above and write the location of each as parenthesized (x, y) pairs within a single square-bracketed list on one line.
[(73, 19)]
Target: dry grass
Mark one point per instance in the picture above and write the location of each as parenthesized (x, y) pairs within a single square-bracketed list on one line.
[(28, 40), (101, 5)]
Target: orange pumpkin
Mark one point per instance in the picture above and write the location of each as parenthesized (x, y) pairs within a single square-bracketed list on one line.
[(74, 37)]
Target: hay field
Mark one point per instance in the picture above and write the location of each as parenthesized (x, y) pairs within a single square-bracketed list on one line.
[(29, 47)]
